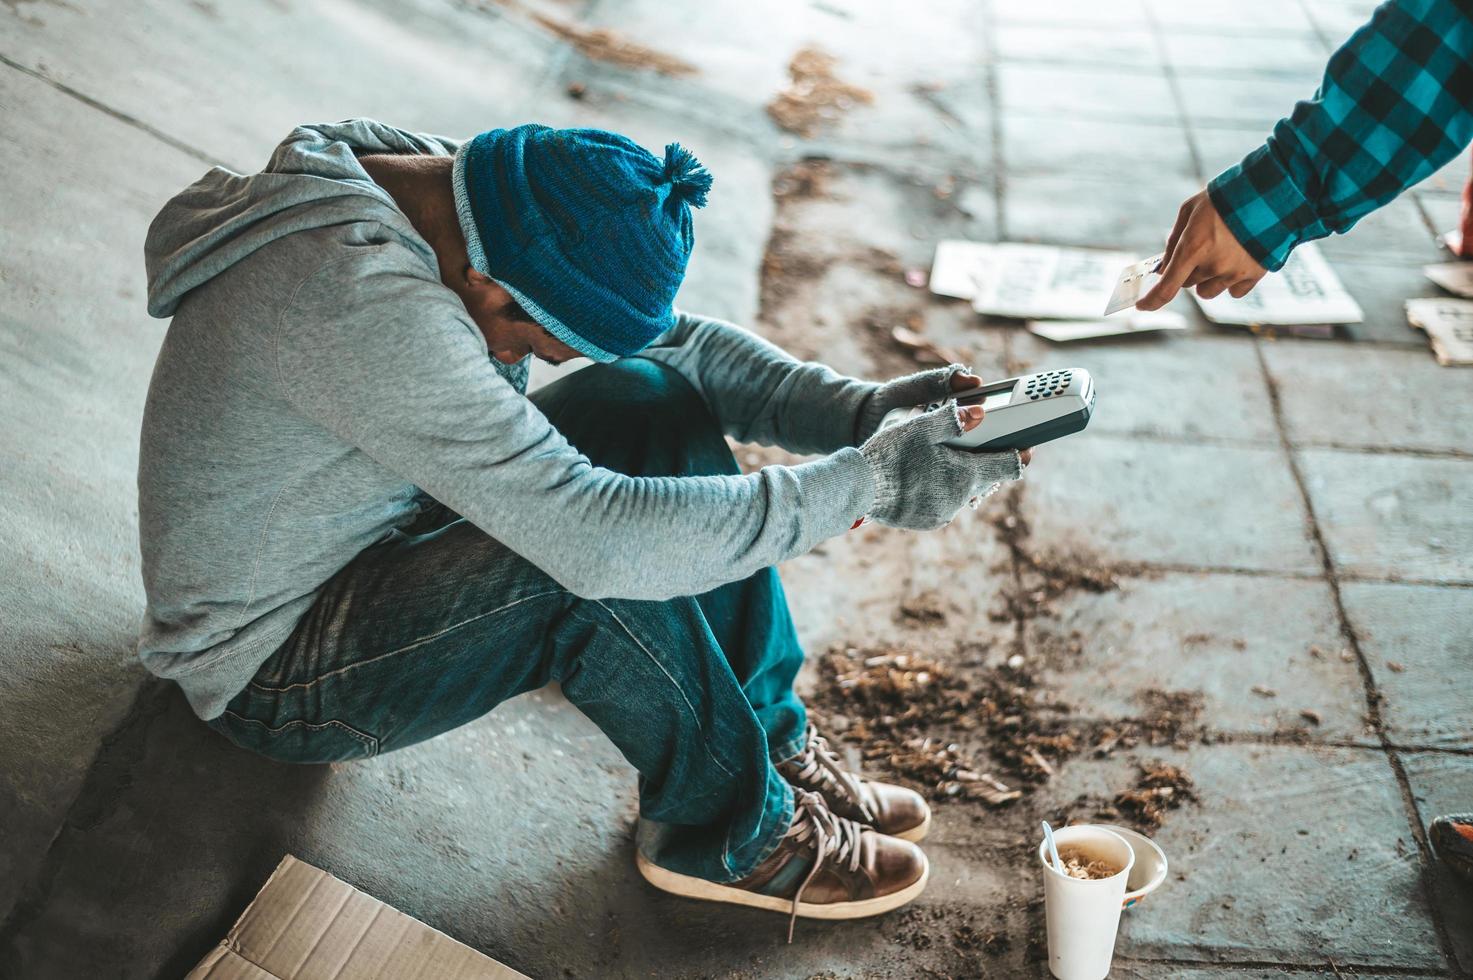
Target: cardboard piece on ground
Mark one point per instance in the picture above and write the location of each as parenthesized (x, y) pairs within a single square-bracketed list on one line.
[(1305, 291), (1455, 277), (1061, 331), (1449, 326), (304, 924), (1014, 279)]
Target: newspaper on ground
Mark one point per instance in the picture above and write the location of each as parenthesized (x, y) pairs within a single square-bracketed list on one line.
[(1449, 326), (1038, 282), (1063, 331), (1455, 277), (1305, 291)]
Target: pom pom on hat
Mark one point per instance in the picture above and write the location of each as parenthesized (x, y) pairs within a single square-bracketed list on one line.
[(689, 180)]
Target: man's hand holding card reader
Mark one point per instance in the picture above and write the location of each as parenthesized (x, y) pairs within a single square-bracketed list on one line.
[(1019, 412)]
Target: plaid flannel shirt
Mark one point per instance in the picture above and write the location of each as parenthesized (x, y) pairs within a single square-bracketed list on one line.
[(1396, 103)]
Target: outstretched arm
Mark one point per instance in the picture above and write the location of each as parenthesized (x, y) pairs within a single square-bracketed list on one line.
[(758, 391), (1396, 103)]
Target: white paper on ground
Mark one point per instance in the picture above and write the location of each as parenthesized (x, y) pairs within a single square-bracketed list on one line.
[(1455, 277), (953, 269), (1449, 326), (1015, 279), (1046, 282), (1306, 290), (1062, 331), (1452, 241)]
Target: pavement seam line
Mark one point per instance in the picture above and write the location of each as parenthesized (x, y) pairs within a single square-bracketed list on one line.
[(1427, 860), (1290, 967), (150, 701), (117, 114), (1232, 442), (1168, 70), (1320, 32), (994, 104)]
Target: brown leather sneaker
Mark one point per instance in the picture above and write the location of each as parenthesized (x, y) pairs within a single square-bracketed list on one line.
[(892, 810), (826, 867)]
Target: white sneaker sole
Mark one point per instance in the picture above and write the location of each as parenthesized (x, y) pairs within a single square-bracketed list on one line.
[(709, 891), (917, 833)]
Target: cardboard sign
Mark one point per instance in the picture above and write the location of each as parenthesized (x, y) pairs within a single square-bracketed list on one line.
[(1449, 326), (1030, 282), (1305, 291), (1455, 277)]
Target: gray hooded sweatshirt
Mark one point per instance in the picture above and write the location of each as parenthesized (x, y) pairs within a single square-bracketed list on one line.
[(318, 384)]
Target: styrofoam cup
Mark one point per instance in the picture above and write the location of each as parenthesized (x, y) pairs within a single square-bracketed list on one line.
[(1083, 914), (1149, 870)]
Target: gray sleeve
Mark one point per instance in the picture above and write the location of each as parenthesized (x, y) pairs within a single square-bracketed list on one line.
[(390, 363), (758, 391)]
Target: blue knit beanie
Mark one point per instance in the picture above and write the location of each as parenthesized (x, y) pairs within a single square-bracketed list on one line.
[(587, 230)]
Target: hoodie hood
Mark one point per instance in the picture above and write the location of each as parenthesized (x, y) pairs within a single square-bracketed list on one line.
[(312, 180)]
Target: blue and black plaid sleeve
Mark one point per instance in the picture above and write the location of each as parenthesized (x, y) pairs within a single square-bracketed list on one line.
[(1396, 103)]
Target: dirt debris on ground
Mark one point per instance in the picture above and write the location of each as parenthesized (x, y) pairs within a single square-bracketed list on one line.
[(808, 179), (611, 47), (815, 97), (786, 264), (925, 608), (887, 320), (1057, 650), (914, 717), (1159, 788), (961, 929), (789, 262), (1045, 577), (894, 339), (1169, 718), (989, 735), (923, 351)]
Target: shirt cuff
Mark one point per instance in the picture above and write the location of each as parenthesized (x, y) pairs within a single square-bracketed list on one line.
[(838, 490), (1264, 208)]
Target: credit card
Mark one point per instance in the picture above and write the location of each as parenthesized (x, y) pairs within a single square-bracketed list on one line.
[(1135, 281)]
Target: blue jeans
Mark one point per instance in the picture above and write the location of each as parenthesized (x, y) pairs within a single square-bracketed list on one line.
[(439, 624)]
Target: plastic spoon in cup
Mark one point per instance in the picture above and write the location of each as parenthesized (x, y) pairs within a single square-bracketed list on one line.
[(1053, 849)]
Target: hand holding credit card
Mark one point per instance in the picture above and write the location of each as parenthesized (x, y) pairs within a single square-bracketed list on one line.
[(1135, 281)]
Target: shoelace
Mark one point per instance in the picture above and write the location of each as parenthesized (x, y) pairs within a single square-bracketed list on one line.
[(819, 765), (834, 839)]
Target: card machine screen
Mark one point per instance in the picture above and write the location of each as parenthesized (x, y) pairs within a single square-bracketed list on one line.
[(988, 399)]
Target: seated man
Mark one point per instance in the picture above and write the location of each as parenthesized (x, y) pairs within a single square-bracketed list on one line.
[(359, 532)]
